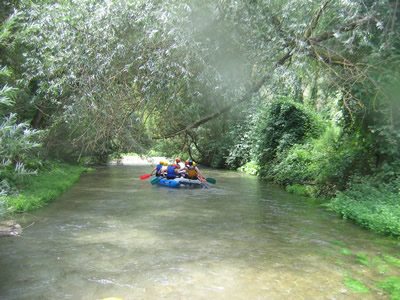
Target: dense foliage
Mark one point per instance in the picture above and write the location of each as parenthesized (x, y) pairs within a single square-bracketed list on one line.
[(18, 143)]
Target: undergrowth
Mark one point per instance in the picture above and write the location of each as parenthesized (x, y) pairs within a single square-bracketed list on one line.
[(371, 206), (37, 191)]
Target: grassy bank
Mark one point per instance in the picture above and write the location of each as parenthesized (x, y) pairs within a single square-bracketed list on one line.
[(367, 202), (374, 207), (37, 191)]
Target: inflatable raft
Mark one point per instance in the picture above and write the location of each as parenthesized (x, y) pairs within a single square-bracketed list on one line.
[(175, 183)]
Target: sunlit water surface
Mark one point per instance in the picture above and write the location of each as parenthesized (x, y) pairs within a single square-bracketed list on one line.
[(113, 235)]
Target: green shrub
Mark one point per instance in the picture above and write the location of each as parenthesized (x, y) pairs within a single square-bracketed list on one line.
[(282, 124), (327, 162), (19, 144), (299, 165), (302, 163), (374, 207), (250, 168), (36, 191), (391, 285), (301, 190)]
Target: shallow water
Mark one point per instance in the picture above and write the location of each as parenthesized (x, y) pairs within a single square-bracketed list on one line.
[(113, 235)]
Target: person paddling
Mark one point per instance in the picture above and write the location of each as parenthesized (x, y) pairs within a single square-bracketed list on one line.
[(172, 172), (181, 166), (157, 169), (192, 171)]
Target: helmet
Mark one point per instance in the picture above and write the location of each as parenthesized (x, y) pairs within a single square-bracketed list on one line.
[(165, 164), (174, 165), (190, 162), (161, 162), (186, 162), (178, 160), (194, 164)]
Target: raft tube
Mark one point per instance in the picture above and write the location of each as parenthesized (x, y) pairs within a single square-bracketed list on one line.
[(188, 182), (169, 183), (175, 183)]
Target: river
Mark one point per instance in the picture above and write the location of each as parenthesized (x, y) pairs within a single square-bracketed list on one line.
[(113, 235)]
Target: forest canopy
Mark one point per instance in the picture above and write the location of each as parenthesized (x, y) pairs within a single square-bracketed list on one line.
[(227, 83)]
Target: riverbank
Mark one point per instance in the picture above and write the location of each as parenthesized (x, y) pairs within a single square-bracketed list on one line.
[(373, 206), (37, 191), (368, 204)]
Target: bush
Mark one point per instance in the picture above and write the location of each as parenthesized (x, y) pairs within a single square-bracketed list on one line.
[(36, 191), (298, 165), (281, 125), (250, 168), (327, 162), (19, 143), (302, 190), (302, 163), (373, 206)]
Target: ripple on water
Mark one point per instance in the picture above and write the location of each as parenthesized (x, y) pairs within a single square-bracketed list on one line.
[(115, 235)]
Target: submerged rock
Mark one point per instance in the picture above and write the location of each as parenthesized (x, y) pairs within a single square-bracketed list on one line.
[(10, 228)]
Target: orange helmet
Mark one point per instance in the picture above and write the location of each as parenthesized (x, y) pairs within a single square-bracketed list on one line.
[(186, 162), (178, 160)]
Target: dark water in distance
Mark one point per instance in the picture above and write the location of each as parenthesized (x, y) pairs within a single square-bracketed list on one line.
[(113, 235)]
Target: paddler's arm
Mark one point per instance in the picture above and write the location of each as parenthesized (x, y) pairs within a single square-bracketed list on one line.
[(153, 171), (199, 173)]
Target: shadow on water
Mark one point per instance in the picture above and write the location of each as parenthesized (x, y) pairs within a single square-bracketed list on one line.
[(115, 235)]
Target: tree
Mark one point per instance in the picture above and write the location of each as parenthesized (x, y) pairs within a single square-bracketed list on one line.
[(108, 76)]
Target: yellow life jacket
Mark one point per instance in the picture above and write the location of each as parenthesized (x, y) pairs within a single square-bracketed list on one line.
[(192, 171)]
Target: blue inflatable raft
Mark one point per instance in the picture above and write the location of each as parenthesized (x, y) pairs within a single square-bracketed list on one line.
[(171, 183), (175, 183)]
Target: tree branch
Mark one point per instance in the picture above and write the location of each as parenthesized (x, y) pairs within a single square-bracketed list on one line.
[(226, 108), (315, 20), (347, 28), (256, 87)]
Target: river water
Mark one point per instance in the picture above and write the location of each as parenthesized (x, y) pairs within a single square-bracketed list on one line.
[(113, 235)]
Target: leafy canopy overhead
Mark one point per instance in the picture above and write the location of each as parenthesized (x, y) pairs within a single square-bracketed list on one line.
[(107, 76)]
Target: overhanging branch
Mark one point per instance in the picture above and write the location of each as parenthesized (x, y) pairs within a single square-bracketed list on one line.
[(257, 87), (347, 28), (226, 108)]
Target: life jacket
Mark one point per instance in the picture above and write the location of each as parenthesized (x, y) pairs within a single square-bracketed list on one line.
[(158, 170), (192, 172), (171, 172)]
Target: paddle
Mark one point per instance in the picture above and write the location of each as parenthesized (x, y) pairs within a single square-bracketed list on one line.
[(155, 180), (211, 180), (145, 176)]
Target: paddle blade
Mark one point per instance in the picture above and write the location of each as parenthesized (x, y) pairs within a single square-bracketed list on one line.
[(155, 180), (211, 180), (143, 177)]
